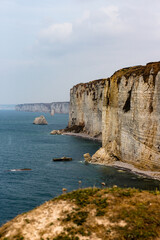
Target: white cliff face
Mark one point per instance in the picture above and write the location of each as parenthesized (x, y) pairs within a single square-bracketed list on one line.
[(126, 109), (86, 107), (33, 107), (60, 107), (56, 107), (131, 118)]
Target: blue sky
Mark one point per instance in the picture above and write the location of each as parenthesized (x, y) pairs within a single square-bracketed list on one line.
[(47, 46)]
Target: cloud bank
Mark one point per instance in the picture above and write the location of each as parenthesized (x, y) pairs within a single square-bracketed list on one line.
[(52, 43)]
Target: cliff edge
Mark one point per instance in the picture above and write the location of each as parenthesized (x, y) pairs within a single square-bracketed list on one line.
[(92, 213)]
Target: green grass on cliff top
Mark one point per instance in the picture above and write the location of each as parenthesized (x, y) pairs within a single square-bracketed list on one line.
[(125, 213), (109, 213)]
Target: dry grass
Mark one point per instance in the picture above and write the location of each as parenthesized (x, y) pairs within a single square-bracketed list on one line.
[(145, 71), (90, 214)]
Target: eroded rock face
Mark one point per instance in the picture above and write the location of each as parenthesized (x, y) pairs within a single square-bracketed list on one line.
[(126, 109), (40, 121), (86, 107), (131, 117)]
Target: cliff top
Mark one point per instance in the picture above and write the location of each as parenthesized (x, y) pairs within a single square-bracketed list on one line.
[(92, 213), (94, 82), (150, 68), (140, 70)]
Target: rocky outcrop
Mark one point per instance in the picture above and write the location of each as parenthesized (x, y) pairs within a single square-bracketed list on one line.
[(40, 121), (87, 157), (86, 107), (126, 109), (73, 129), (57, 132), (55, 107)]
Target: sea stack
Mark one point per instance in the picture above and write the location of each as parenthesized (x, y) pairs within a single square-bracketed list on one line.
[(40, 121), (52, 112)]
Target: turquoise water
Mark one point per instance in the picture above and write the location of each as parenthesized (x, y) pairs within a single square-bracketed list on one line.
[(25, 145)]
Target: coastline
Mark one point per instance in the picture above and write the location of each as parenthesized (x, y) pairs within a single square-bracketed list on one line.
[(82, 135), (131, 168), (118, 164)]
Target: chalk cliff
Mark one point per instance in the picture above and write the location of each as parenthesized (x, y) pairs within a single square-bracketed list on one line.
[(56, 107), (86, 107), (130, 119)]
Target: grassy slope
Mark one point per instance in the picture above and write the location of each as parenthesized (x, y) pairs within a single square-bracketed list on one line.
[(90, 214)]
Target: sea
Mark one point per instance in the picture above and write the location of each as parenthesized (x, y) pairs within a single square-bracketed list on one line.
[(25, 145)]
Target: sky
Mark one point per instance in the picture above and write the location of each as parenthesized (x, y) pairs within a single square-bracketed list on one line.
[(48, 46)]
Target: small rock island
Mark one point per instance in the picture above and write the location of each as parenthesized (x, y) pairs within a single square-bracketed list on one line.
[(40, 120)]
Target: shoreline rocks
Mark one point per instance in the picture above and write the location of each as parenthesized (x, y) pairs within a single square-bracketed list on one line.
[(87, 157), (57, 132), (73, 129)]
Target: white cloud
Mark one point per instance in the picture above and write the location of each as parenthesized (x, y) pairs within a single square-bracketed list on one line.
[(92, 26), (85, 17), (105, 21), (56, 32), (112, 19), (111, 11), (88, 39)]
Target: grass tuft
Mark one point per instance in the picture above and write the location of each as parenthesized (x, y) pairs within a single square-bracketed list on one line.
[(80, 197), (109, 213), (77, 217)]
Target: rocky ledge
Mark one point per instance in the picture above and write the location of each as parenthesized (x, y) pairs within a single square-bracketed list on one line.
[(77, 131)]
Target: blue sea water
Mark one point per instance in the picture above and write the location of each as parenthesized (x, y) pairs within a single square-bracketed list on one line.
[(25, 145)]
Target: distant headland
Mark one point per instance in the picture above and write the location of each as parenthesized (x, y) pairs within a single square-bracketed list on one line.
[(56, 107)]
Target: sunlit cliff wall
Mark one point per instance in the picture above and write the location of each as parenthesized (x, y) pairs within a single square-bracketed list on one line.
[(131, 117), (86, 106), (126, 109)]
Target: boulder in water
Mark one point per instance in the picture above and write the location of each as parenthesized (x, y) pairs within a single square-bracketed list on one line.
[(57, 132), (40, 120), (87, 157)]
